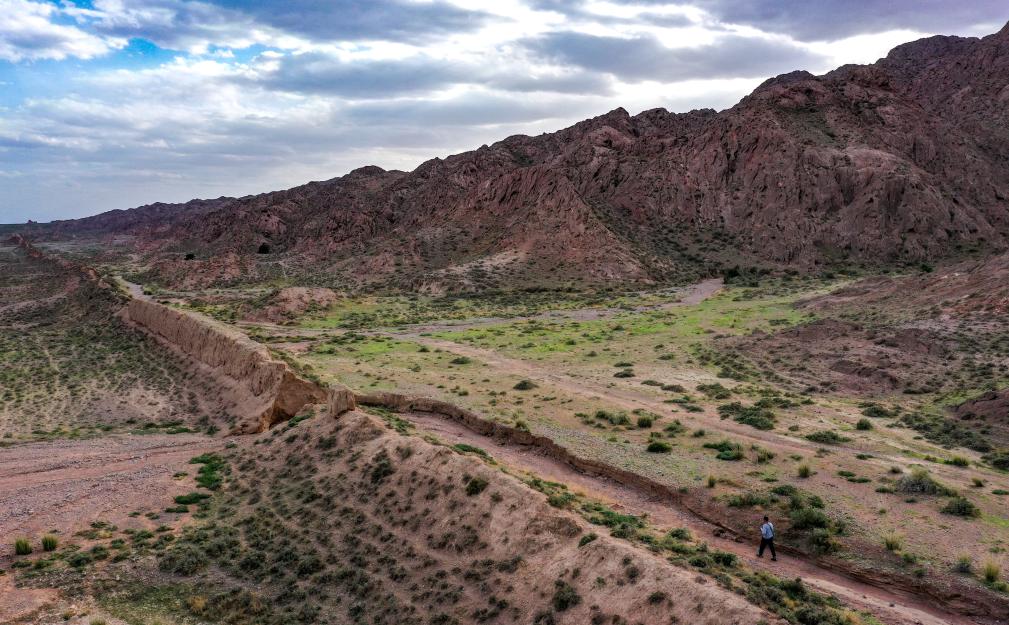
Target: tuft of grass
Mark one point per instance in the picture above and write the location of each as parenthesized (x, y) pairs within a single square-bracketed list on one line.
[(525, 385), (964, 564), (893, 541), (22, 547), (209, 475), (991, 571), (50, 542), (804, 471), (863, 424)]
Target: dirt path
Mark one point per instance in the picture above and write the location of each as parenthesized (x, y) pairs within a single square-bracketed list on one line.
[(62, 486), (889, 606)]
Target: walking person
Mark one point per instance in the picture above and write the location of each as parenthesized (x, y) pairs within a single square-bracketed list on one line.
[(767, 539)]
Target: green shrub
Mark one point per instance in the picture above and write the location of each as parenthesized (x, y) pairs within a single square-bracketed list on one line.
[(586, 539), (183, 559), (863, 424), (919, 482), (964, 564), (991, 572), (525, 385), (804, 471), (461, 360), (626, 373), (50, 542), (808, 518), (727, 450), (191, 498), (22, 547), (893, 541), (209, 475), (746, 499), (645, 421), (659, 447), (961, 506), (565, 596), (827, 437), (754, 416), (475, 486)]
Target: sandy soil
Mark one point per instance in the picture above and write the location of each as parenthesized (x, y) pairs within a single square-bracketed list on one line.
[(888, 606), (62, 486)]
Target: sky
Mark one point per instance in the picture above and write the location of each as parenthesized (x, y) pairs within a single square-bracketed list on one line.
[(108, 104)]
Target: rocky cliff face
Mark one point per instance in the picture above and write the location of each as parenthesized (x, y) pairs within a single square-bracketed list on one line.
[(264, 390), (902, 160)]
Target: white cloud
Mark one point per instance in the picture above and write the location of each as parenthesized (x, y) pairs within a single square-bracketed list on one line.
[(28, 32)]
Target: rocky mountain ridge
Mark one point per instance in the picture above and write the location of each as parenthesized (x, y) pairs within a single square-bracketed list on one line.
[(900, 161)]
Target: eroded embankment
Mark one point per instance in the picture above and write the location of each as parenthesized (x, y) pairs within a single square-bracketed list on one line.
[(950, 597), (261, 390), (265, 389)]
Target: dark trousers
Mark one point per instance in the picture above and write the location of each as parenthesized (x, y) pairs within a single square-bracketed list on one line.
[(764, 543)]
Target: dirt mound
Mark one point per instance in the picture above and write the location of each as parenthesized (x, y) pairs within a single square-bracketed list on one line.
[(391, 528), (967, 288), (993, 406), (289, 303)]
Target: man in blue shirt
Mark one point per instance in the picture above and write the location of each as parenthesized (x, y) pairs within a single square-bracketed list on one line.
[(767, 539)]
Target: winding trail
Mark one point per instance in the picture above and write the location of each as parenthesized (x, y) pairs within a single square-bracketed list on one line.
[(888, 605)]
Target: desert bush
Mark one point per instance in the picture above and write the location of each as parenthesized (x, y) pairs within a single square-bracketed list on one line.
[(809, 518), (893, 541), (827, 437), (586, 539), (525, 385), (22, 547), (863, 424), (961, 506), (645, 421), (804, 471), (746, 499), (727, 450), (964, 564), (565, 596), (659, 447), (183, 559), (461, 360), (754, 416), (475, 486), (50, 542), (919, 482), (991, 571)]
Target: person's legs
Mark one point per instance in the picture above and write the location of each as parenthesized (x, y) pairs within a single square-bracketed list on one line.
[(763, 544), (770, 543)]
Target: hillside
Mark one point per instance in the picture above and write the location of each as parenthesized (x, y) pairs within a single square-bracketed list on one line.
[(899, 161)]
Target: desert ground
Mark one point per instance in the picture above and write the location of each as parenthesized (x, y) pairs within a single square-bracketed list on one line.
[(603, 457)]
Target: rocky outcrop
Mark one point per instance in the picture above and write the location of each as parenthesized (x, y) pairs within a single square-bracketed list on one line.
[(263, 389), (903, 160)]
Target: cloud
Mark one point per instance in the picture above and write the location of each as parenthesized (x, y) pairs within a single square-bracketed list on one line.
[(196, 25), (817, 20), (352, 20), (28, 33), (644, 57), (324, 73)]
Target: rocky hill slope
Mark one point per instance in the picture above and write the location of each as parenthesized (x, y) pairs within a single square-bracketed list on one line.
[(902, 160)]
